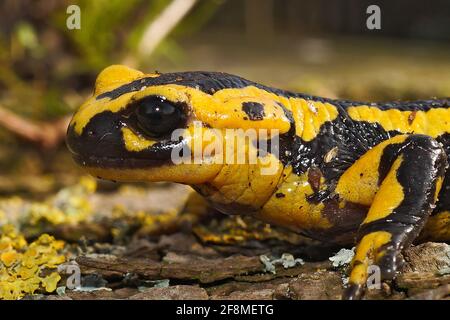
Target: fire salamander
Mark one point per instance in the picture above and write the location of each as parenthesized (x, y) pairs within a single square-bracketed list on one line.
[(370, 174)]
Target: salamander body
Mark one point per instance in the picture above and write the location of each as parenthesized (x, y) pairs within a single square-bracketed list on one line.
[(370, 174)]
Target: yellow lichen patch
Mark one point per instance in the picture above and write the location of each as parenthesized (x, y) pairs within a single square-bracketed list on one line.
[(9, 257), (69, 206), (359, 183), (158, 222), (237, 229), (135, 143), (389, 196), (367, 253), (23, 266), (433, 122), (51, 281)]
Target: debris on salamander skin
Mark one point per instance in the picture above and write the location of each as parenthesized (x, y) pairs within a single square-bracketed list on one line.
[(287, 260)]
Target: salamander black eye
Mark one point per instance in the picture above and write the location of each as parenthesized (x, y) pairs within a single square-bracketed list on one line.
[(157, 117)]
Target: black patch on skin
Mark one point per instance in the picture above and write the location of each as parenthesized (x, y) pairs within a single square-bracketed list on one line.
[(288, 114), (280, 195), (101, 144), (353, 291), (344, 223), (254, 110), (284, 150), (390, 153), (208, 82), (321, 195), (422, 163), (352, 138), (418, 105), (443, 203)]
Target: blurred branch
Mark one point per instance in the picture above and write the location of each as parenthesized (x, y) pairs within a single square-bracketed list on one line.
[(159, 28), (260, 20), (46, 135)]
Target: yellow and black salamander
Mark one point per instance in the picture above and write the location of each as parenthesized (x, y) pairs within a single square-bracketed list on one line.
[(372, 174)]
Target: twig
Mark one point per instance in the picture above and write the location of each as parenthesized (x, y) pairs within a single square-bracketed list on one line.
[(159, 28), (46, 135)]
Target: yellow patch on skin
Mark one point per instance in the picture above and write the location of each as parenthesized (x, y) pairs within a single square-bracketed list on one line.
[(245, 179), (439, 182), (367, 253), (242, 185), (135, 143), (314, 115), (182, 173), (437, 228), (114, 76), (223, 109), (359, 183), (389, 196), (290, 208), (235, 146), (308, 115), (433, 122)]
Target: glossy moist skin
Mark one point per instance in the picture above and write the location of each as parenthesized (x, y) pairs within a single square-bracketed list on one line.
[(370, 174)]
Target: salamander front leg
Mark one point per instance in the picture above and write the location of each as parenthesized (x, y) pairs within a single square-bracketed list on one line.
[(410, 177)]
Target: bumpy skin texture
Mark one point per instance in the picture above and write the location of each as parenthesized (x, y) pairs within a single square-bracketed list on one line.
[(347, 172)]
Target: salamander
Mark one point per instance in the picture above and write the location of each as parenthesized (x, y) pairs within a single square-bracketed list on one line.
[(345, 172)]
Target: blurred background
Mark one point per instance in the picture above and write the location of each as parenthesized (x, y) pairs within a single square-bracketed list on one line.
[(318, 47)]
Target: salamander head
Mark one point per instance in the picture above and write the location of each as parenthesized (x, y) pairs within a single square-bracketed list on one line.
[(139, 127)]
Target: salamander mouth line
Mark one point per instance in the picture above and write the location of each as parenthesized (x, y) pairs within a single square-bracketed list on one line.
[(126, 162), (117, 163)]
